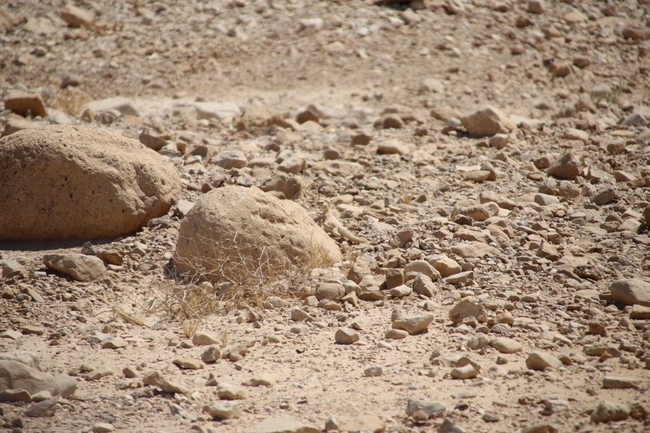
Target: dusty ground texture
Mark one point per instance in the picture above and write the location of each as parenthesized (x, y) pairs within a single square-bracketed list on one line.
[(533, 271)]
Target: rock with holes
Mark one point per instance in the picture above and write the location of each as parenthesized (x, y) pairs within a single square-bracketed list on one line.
[(238, 232), (74, 182)]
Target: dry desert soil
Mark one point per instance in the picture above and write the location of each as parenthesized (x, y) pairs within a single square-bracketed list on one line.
[(485, 166)]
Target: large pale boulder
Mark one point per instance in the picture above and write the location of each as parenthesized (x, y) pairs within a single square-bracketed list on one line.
[(73, 182), (235, 231)]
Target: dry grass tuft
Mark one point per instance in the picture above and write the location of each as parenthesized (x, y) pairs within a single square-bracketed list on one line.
[(226, 280)]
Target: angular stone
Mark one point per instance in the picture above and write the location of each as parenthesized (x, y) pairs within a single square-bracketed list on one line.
[(25, 103), (391, 147), (282, 425), (346, 336), (432, 409), (364, 424), (487, 121), (76, 17), (211, 354), (631, 291), (188, 363), (616, 382), (567, 166), (78, 266), (607, 411), (413, 324), (223, 410), (541, 361), (262, 379), (229, 159), (474, 250), (467, 307), (201, 338), (446, 266), (396, 334), (506, 345), (423, 285), (226, 391), (464, 372), (331, 291), (46, 408)]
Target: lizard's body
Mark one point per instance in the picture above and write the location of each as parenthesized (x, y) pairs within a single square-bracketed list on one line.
[(331, 224)]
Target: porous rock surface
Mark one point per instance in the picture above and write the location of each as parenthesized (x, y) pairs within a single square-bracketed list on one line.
[(251, 230), (79, 182)]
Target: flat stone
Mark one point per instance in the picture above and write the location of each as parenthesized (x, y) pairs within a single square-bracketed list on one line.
[(188, 363), (465, 372), (614, 382), (262, 379), (467, 307), (282, 425), (114, 343), (631, 291), (391, 147), (14, 395), (413, 324), (201, 338), (78, 266), (363, 424), (102, 427), (474, 250), (506, 345), (541, 361), (433, 409), (224, 410), (607, 411), (226, 391), (395, 334), (25, 103), (46, 408)]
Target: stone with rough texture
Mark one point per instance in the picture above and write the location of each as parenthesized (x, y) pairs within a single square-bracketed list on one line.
[(78, 266), (487, 121), (259, 117), (16, 375), (46, 408), (432, 409), (506, 345), (607, 411), (224, 410), (467, 307), (413, 324), (251, 230), (26, 103), (346, 336), (282, 425), (73, 182), (119, 104), (201, 338), (567, 166), (632, 291), (364, 423), (77, 17), (541, 361)]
